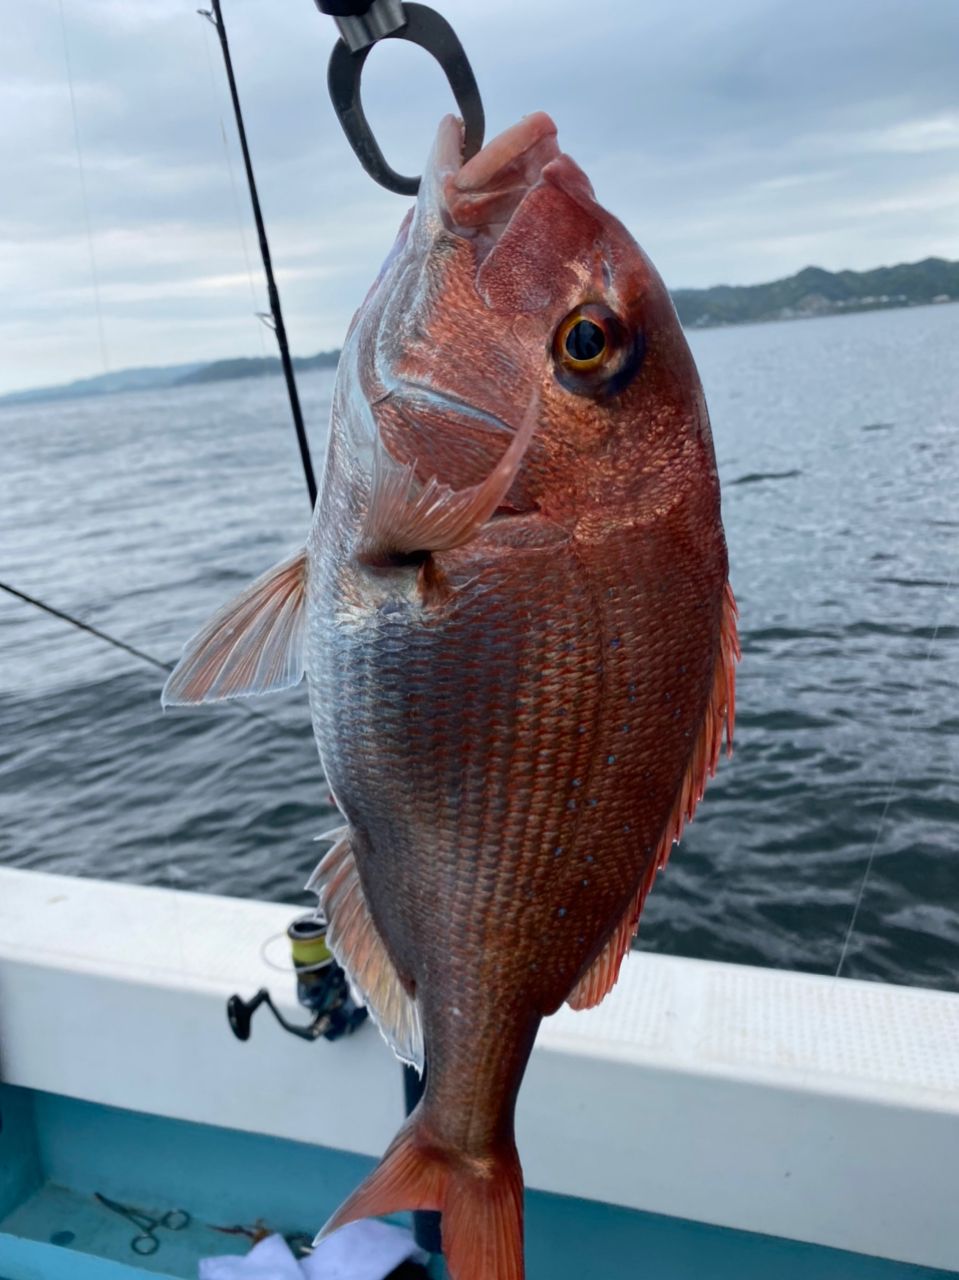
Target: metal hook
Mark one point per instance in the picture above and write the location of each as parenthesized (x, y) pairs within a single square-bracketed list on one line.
[(419, 25)]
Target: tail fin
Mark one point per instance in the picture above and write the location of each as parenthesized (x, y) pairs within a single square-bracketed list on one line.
[(481, 1201)]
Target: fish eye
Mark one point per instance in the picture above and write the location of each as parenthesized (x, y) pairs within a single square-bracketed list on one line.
[(593, 351), (584, 343)]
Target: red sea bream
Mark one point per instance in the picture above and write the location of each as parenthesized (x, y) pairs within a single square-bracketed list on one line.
[(514, 616)]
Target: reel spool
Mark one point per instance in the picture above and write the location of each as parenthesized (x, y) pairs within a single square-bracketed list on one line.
[(321, 987)]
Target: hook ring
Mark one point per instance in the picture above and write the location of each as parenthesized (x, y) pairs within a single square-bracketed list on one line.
[(433, 33)]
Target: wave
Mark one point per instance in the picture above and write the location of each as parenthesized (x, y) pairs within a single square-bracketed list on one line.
[(759, 477)]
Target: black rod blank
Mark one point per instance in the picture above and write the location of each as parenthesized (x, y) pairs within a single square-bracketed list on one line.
[(272, 291), (85, 626)]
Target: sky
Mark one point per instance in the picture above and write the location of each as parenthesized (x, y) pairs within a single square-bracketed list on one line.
[(738, 141)]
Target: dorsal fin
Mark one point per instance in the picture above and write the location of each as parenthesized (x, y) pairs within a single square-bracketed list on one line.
[(254, 644), (600, 977), (355, 941)]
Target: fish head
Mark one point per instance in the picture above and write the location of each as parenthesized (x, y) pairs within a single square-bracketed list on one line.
[(509, 283)]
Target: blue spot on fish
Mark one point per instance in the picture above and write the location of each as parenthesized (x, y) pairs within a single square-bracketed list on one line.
[(610, 759)]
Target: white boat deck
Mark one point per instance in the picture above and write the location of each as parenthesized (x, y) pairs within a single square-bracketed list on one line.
[(816, 1109)]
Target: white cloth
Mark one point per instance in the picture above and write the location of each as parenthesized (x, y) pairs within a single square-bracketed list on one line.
[(367, 1250)]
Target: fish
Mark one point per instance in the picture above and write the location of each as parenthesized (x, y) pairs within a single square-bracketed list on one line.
[(514, 615)]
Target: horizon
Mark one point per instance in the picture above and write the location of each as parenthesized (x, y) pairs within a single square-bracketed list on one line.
[(736, 146), (272, 353)]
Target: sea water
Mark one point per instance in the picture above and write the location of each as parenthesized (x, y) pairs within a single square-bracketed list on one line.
[(838, 448)]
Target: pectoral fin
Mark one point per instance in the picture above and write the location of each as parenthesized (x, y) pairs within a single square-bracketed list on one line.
[(405, 517), (254, 644)]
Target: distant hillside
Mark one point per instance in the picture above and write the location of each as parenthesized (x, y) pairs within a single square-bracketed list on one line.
[(812, 292), (107, 384), (256, 367), (815, 292)]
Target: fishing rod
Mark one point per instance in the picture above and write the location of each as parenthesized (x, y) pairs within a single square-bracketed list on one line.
[(131, 649), (85, 626), (215, 17)]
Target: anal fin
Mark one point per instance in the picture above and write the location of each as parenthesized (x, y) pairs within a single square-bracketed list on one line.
[(600, 978), (254, 644), (353, 938)]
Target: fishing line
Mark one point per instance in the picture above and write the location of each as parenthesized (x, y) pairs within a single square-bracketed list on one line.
[(94, 273), (888, 802), (133, 651), (271, 941)]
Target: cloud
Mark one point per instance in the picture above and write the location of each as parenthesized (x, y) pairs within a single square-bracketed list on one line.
[(938, 133), (739, 141)]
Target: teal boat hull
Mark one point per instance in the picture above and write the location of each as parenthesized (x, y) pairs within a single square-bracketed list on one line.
[(57, 1152)]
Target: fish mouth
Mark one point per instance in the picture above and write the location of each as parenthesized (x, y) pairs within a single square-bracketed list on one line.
[(477, 199)]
